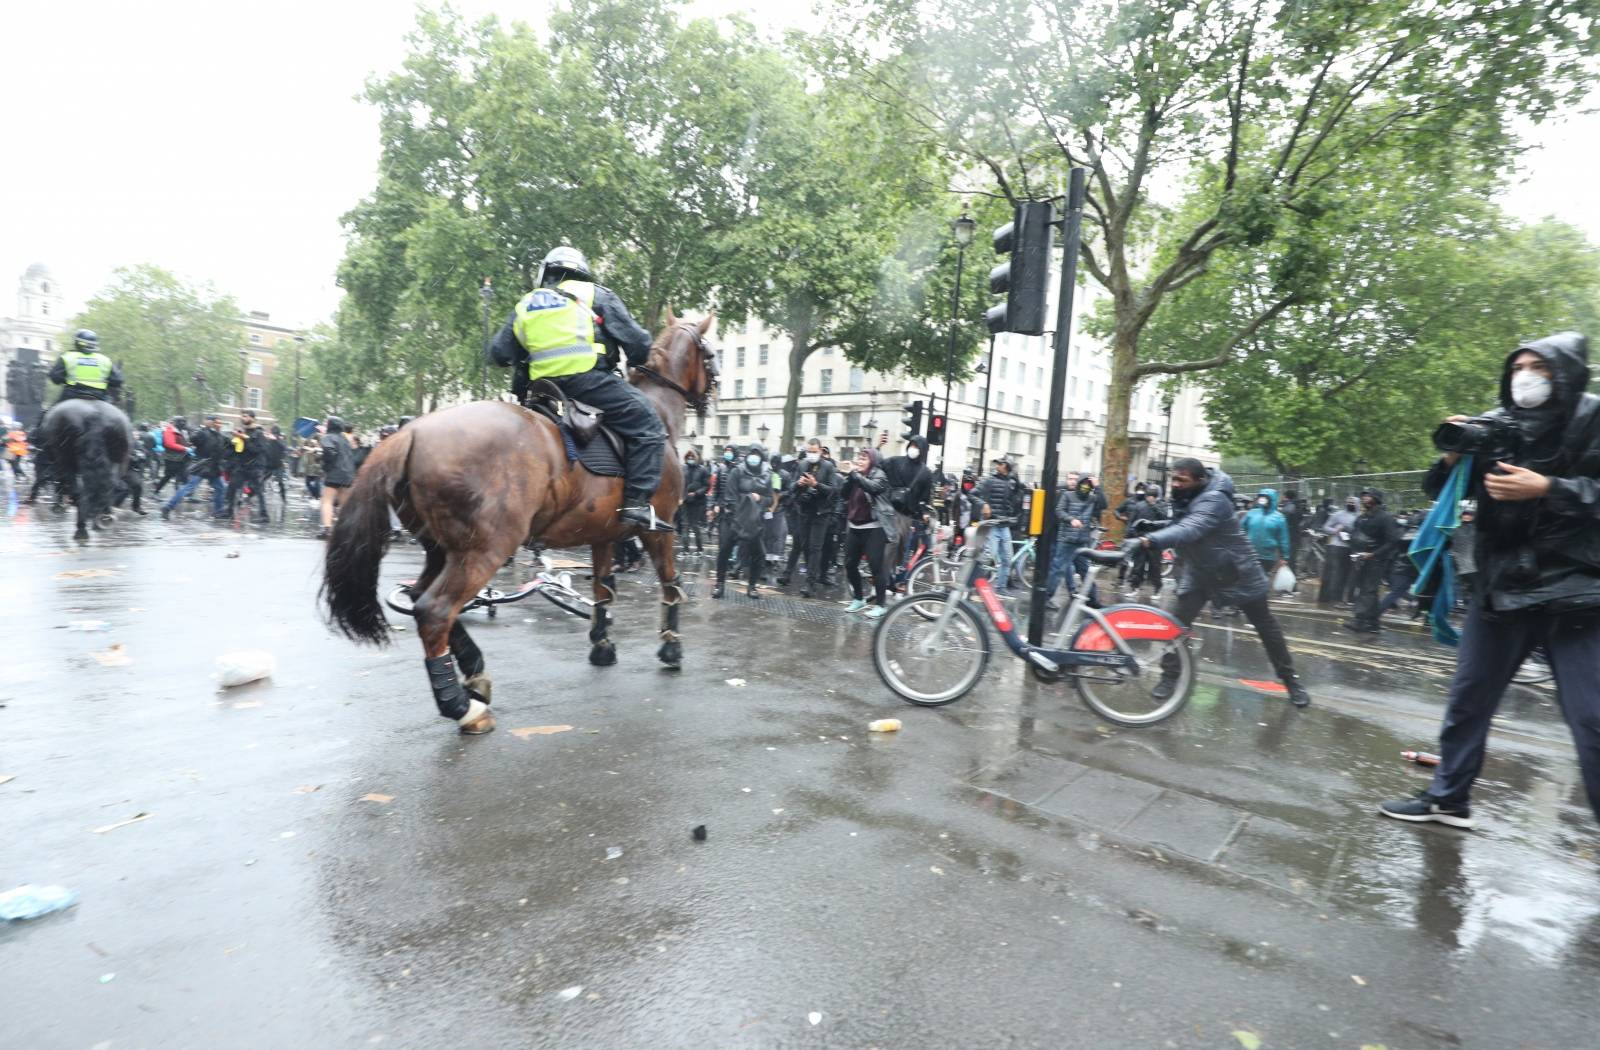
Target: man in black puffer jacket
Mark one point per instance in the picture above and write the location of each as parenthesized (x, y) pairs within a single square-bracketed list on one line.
[(999, 496), (692, 512), (1536, 551), (1374, 541), (1217, 563)]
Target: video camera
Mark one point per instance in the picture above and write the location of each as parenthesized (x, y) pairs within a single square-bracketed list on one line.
[(1491, 438)]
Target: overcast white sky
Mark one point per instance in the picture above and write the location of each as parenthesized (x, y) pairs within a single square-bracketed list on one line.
[(223, 140)]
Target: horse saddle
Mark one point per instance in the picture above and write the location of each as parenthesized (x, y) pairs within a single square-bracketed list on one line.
[(580, 424)]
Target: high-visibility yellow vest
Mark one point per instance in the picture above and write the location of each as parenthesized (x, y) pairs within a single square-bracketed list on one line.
[(87, 370), (558, 331)]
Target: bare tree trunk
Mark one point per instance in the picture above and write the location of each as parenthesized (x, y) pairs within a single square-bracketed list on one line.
[(800, 336), (1114, 458)]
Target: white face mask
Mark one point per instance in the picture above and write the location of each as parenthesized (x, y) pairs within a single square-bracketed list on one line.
[(753, 461), (812, 457), (1530, 389), (913, 452)]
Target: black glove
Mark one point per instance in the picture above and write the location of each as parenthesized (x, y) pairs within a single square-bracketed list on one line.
[(1131, 547)]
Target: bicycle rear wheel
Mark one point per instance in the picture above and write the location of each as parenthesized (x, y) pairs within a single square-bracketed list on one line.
[(1120, 696), (933, 575), (1535, 670), (923, 662)]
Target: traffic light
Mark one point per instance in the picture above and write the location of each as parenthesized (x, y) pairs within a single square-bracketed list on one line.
[(911, 420), (1023, 277), (936, 428)]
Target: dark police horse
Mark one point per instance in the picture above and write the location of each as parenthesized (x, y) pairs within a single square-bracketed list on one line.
[(87, 444)]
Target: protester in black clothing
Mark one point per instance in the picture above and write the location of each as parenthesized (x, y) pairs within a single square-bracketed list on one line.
[(1146, 561), (747, 494), (1217, 564), (338, 472), (811, 497), (1294, 515), (1535, 571), (274, 461), (1000, 497), (1374, 540), (245, 462), (833, 539), (910, 493), (692, 512)]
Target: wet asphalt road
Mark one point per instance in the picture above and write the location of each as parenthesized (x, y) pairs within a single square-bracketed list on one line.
[(1007, 871)]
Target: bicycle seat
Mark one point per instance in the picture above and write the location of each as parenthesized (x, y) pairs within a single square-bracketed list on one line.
[(1101, 557)]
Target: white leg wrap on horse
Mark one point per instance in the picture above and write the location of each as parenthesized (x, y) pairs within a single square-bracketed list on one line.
[(475, 710)]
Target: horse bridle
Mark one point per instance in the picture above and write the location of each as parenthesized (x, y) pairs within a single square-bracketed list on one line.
[(700, 404)]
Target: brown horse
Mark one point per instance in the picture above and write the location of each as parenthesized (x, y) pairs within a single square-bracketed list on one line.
[(474, 483)]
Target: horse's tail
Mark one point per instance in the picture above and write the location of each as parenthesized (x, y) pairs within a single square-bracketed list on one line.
[(96, 477), (350, 569)]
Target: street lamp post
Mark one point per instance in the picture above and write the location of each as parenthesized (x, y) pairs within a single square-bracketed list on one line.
[(963, 228), (299, 344), (244, 381), (486, 293), (983, 430), (1166, 455), (762, 431)]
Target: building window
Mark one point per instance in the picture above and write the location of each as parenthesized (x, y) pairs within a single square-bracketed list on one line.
[(744, 426), (858, 380), (1038, 377), (1016, 403), (738, 357), (1072, 386), (255, 366), (738, 388), (822, 424), (761, 386), (722, 426), (254, 338), (827, 351), (1091, 388), (761, 354), (852, 422), (227, 399), (1002, 368), (1036, 407), (49, 345), (827, 380), (253, 397), (44, 309), (45, 287)]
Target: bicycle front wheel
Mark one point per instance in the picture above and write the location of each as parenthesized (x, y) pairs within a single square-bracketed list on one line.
[(925, 662), (934, 575), (1141, 699)]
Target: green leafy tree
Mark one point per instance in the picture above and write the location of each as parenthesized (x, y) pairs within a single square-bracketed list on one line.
[(1425, 294), (179, 345), (1270, 113)]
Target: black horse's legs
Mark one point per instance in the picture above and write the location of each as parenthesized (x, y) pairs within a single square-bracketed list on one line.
[(436, 610), (602, 653), (664, 556)]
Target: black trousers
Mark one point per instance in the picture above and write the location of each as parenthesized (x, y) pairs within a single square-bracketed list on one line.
[(1335, 576), (173, 472), (806, 535), (1369, 582), (1146, 564), (630, 414), (830, 544), (1490, 653), (752, 555), (1187, 606), (868, 543), (257, 490), (692, 522)]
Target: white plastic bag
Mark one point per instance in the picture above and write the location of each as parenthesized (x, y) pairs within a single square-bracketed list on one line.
[(244, 666), (1283, 580)]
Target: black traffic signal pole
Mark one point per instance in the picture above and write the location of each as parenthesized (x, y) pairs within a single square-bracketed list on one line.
[(1071, 230)]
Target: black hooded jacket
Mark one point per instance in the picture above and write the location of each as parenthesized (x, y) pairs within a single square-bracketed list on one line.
[(910, 480), (1543, 554)]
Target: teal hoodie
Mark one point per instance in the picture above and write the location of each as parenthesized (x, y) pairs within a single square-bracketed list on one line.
[(1267, 529)]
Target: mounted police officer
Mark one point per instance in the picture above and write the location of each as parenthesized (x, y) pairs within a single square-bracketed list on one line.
[(570, 330), (85, 372)]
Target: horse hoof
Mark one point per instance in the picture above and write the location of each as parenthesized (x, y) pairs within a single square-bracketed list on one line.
[(480, 685), (82, 535), (603, 655), (104, 521), (671, 654), (483, 724)]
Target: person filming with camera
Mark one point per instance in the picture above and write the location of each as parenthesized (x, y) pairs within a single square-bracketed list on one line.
[(1535, 473)]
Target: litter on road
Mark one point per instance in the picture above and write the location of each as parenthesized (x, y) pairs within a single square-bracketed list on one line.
[(30, 902), (136, 818), (244, 666), (884, 725), (116, 656), (526, 731)]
